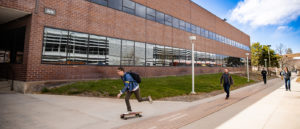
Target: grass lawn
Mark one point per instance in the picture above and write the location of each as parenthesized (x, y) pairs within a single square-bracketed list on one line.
[(156, 87)]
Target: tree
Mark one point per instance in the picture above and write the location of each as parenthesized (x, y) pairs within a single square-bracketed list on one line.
[(256, 51), (289, 51), (260, 52)]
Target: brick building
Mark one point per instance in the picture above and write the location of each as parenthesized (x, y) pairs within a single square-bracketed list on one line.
[(46, 40)]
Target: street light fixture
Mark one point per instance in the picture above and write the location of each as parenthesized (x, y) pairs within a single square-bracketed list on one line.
[(269, 59), (247, 54), (193, 38), (265, 63)]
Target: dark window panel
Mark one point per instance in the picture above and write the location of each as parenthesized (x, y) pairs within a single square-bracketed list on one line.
[(150, 14), (129, 6), (101, 2), (193, 27), (182, 25), (175, 22), (188, 27), (198, 30), (160, 17), (115, 4), (150, 60), (168, 20), (140, 10)]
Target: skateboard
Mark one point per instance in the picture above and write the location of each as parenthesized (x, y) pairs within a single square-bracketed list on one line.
[(131, 115)]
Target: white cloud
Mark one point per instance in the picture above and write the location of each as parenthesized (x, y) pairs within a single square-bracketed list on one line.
[(284, 28), (265, 12)]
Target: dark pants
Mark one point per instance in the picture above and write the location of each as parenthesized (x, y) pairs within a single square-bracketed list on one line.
[(265, 80), (137, 95), (287, 84), (226, 87)]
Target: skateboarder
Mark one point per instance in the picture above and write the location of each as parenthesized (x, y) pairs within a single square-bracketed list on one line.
[(226, 80), (264, 74), (130, 87)]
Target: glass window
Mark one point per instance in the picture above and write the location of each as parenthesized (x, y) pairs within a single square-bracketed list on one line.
[(203, 32), (98, 49), (206, 33), (193, 28), (127, 52), (188, 57), (182, 25), (175, 22), (209, 34), (77, 48), (182, 57), (101, 2), (114, 51), (176, 56), (140, 54), (54, 46), (198, 30), (159, 55), (129, 6), (140, 10), (150, 14), (168, 20), (188, 27), (149, 54), (115, 4), (160, 17), (168, 56)]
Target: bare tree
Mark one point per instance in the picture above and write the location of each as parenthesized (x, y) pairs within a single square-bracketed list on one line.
[(289, 51)]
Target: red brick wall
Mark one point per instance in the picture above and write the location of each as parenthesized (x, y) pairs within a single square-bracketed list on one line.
[(83, 16)]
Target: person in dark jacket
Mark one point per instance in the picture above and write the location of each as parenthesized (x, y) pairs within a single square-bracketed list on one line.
[(226, 81), (287, 78), (130, 87), (264, 74)]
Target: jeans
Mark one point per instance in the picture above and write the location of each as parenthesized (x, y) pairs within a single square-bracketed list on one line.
[(265, 80), (226, 87), (137, 95), (287, 84)]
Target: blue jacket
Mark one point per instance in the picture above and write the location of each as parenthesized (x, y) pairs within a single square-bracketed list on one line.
[(129, 83)]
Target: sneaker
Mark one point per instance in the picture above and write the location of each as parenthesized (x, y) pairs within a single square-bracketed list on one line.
[(150, 99), (128, 112)]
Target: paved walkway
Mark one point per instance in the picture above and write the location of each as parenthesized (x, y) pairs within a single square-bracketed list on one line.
[(30, 111)]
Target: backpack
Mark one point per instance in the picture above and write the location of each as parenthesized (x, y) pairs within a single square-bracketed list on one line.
[(136, 77)]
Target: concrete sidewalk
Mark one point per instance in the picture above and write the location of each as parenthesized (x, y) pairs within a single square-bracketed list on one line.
[(277, 110), (33, 111)]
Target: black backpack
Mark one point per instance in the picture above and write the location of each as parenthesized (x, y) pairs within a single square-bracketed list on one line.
[(136, 77)]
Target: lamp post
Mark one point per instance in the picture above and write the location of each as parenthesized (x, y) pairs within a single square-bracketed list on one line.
[(193, 38), (269, 59), (247, 54), (266, 62)]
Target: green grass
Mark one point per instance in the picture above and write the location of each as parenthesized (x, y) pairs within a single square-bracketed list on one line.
[(156, 87)]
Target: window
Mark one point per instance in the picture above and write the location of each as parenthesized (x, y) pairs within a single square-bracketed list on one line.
[(114, 53), (182, 57), (182, 25), (129, 6), (54, 46), (115, 4), (98, 49), (168, 56), (160, 17), (77, 48), (140, 10), (206, 33), (101, 2), (198, 31), (209, 34), (193, 29), (149, 54), (188, 57), (140, 52), (150, 14), (176, 56), (175, 22), (188, 27), (168, 20), (127, 52), (202, 32), (159, 55)]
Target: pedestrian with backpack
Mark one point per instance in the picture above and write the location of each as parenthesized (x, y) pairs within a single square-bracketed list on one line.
[(226, 81), (131, 86)]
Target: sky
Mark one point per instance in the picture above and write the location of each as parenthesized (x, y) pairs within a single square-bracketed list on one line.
[(269, 22)]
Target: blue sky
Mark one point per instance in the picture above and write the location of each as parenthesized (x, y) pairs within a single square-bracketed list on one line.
[(265, 21)]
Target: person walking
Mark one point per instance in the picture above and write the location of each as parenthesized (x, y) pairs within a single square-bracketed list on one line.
[(130, 87), (286, 74), (264, 74), (226, 80)]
